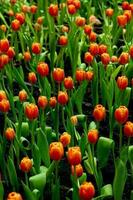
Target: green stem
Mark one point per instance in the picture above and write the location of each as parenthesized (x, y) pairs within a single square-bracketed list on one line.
[(120, 139)]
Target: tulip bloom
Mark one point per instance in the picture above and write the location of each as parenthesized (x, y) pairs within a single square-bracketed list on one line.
[(25, 164), (99, 112), (74, 155), (86, 191), (93, 136), (121, 114), (65, 139), (56, 151)]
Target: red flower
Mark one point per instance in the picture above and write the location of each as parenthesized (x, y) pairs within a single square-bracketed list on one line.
[(58, 75), (121, 114), (63, 40), (43, 69), (42, 102), (56, 151), (15, 24), (25, 164), (4, 45), (78, 170), (53, 10), (122, 82), (62, 97), (65, 139), (10, 134), (36, 48), (68, 83), (99, 112), (93, 136), (128, 129), (31, 111), (74, 155), (86, 191)]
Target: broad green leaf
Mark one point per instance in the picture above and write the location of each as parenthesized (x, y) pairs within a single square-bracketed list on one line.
[(24, 128), (130, 154), (92, 125), (116, 71), (42, 144), (38, 182), (36, 157), (56, 190), (12, 173), (124, 154), (131, 195), (82, 178), (107, 191), (126, 97), (1, 191), (119, 179), (104, 147), (36, 193), (28, 193)]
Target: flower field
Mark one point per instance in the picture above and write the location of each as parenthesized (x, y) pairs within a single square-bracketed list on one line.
[(66, 100)]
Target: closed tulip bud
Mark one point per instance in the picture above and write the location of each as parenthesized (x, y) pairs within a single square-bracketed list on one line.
[(114, 59), (63, 40), (87, 29), (14, 196), (53, 10), (122, 20), (4, 59), (94, 49), (25, 8), (122, 82), (42, 102), (71, 9), (74, 120), (22, 95), (92, 36), (3, 28), (121, 114), (89, 75), (56, 151), (124, 58), (80, 75), (27, 56), (128, 14), (99, 112), (52, 102), (77, 4), (9, 134), (102, 49), (31, 111), (40, 20), (43, 69), (125, 5), (93, 136), (33, 9), (36, 48), (68, 83), (10, 13), (32, 77), (109, 12), (2, 95), (4, 105), (88, 57), (65, 29), (128, 129), (105, 58), (80, 21), (78, 170), (131, 51), (4, 45), (86, 191), (25, 164), (15, 24), (65, 139), (58, 75), (10, 52), (62, 97), (20, 17), (74, 155)]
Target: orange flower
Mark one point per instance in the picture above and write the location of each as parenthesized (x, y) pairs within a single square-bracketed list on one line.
[(77, 4), (74, 120), (94, 49), (88, 58), (87, 29), (72, 9), (74, 155), (121, 114), (10, 52), (78, 170), (128, 129), (10, 134), (99, 112), (4, 59), (56, 151), (25, 8), (4, 105), (86, 191), (80, 75), (62, 97), (105, 58), (14, 196), (22, 95), (109, 12), (68, 83), (27, 56), (52, 102), (36, 48), (122, 20), (131, 51), (32, 77), (15, 24), (53, 10), (58, 75), (20, 17), (128, 14), (102, 49), (93, 136), (33, 9), (10, 13), (4, 45), (89, 75), (31, 111), (63, 40), (40, 20), (124, 58), (3, 28), (65, 29), (25, 164), (42, 102), (125, 5), (65, 139), (43, 69), (122, 82), (93, 36), (114, 59), (2, 95), (80, 21)]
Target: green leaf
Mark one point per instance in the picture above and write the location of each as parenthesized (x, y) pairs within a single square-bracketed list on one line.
[(1, 191), (126, 97), (131, 195), (82, 178), (42, 144), (104, 147), (38, 181), (124, 154), (78, 96), (28, 193), (107, 191), (12, 173), (119, 179), (92, 125), (130, 154), (36, 157), (116, 71), (56, 191)]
